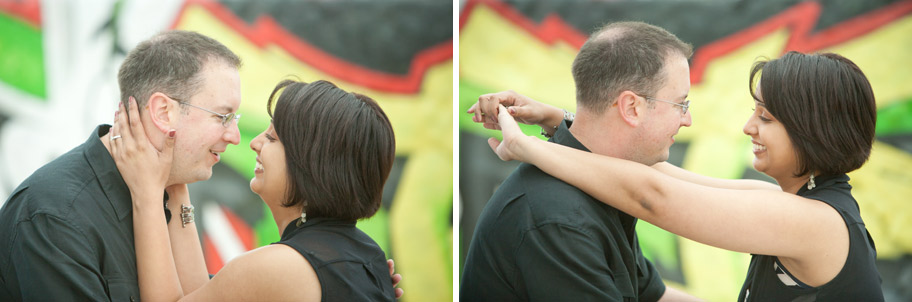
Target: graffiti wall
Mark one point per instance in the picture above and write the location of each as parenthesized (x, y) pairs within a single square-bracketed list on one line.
[(58, 66), (529, 46)]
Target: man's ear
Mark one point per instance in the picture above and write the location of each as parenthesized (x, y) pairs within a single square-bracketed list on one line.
[(162, 111), (629, 107)]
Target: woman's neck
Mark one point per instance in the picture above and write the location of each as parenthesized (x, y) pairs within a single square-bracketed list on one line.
[(283, 216), (792, 184)]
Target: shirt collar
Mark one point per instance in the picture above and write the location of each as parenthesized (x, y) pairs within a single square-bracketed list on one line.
[(294, 228), (109, 178), (564, 137), (824, 181)]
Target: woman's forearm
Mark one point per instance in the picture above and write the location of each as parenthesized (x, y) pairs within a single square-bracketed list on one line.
[(734, 184), (629, 186), (185, 244), (158, 280)]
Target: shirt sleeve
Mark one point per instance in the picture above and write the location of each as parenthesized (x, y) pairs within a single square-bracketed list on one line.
[(564, 263), (54, 261), (651, 285)]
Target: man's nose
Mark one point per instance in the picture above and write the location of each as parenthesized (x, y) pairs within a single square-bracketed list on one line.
[(686, 120), (233, 134)]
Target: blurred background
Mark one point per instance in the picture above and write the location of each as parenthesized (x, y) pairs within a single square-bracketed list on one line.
[(58, 67), (528, 46)]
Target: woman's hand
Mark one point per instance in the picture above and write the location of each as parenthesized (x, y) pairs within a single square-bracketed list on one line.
[(144, 168), (514, 141), (522, 108), (396, 278)]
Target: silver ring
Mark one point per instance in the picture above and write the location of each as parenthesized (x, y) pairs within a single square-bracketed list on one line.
[(115, 137)]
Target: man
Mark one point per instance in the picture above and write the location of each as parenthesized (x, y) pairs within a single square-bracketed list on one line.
[(539, 238), (66, 233)]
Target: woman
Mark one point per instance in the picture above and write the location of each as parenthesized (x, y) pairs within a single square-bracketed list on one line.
[(321, 165), (813, 123)]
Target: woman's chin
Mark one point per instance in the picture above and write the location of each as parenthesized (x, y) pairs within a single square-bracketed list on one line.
[(758, 165), (254, 186)]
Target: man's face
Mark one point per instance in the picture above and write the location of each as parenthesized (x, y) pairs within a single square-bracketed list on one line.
[(661, 121), (201, 138)]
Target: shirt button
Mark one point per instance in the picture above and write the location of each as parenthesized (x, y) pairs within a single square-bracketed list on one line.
[(132, 299)]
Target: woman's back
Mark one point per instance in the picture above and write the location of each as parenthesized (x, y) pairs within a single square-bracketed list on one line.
[(349, 264)]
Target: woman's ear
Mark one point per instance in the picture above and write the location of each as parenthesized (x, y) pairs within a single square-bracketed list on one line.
[(629, 107), (161, 111)]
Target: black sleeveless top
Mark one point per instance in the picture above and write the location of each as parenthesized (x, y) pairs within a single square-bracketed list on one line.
[(858, 280), (348, 263)]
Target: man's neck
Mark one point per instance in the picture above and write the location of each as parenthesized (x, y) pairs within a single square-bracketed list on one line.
[(601, 136), (106, 141)]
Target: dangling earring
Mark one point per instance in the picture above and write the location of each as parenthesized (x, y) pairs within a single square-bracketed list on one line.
[(811, 183), (303, 216)]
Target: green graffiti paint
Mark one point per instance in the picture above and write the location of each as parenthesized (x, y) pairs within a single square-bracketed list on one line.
[(895, 119), (468, 95), (377, 227), (661, 247), (265, 228), (22, 56)]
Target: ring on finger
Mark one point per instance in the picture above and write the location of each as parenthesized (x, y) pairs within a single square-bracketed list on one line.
[(482, 114), (114, 137)]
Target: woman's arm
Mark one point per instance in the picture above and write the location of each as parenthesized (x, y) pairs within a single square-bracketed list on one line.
[(185, 242), (735, 184), (528, 111), (158, 279), (756, 221), (270, 273), (145, 171)]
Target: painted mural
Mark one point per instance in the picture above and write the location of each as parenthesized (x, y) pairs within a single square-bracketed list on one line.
[(529, 47), (58, 66)]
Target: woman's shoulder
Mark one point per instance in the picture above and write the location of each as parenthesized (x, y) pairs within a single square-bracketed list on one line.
[(272, 272), (276, 258)]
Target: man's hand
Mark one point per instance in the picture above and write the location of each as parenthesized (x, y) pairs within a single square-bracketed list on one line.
[(522, 108)]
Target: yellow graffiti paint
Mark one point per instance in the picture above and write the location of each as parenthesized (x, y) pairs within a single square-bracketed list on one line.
[(882, 188), (494, 51), (883, 55)]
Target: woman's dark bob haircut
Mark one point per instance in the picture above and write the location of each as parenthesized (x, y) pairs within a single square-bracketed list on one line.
[(826, 105), (339, 148)]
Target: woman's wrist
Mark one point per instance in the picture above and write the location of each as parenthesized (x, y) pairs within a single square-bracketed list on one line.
[(521, 147), (552, 118), (177, 195), (147, 203)]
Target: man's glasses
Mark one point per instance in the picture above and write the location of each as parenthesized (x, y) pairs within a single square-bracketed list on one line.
[(684, 106), (225, 119)]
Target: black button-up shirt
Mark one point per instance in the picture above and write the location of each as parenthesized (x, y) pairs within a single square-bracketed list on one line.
[(66, 233), (541, 239)]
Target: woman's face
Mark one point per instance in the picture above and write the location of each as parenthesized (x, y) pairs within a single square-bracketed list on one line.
[(774, 153), (270, 179)]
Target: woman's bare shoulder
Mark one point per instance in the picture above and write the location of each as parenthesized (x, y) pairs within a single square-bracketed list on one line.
[(274, 272)]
